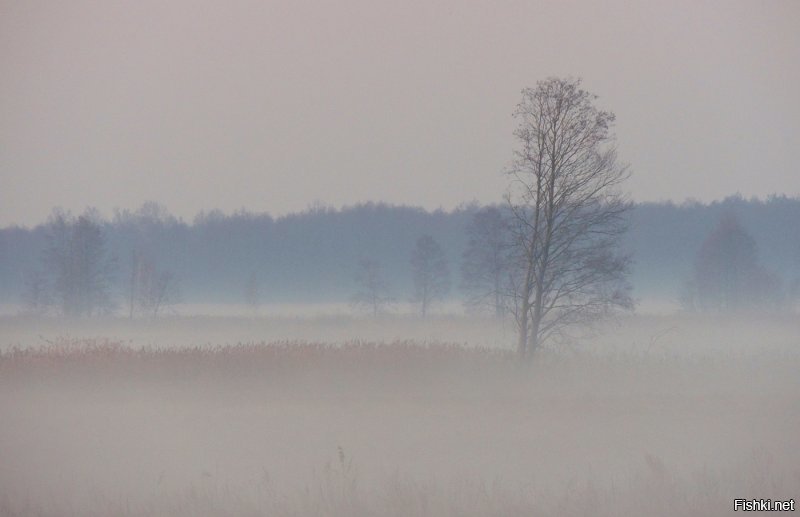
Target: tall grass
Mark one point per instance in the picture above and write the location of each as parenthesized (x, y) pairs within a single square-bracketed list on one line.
[(335, 490), (389, 429)]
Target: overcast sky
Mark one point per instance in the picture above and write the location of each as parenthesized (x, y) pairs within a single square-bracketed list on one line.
[(274, 105)]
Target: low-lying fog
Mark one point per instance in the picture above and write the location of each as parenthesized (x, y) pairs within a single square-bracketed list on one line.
[(647, 415)]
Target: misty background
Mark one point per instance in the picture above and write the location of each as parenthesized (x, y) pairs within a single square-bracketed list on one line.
[(186, 188), (313, 256)]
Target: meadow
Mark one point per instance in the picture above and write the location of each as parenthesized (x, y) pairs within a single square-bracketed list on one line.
[(340, 416)]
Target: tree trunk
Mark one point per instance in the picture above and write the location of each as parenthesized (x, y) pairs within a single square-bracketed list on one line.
[(134, 275), (523, 314), (536, 317), (522, 345), (533, 344)]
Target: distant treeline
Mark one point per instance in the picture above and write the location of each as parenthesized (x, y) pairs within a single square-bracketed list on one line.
[(313, 256)]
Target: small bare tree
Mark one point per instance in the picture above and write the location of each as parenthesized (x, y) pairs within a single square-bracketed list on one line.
[(431, 274), (252, 292), (373, 292), (727, 274), (134, 281), (567, 214), (161, 291), (150, 289), (484, 262)]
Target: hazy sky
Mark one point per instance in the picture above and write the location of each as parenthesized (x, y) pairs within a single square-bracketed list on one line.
[(274, 105)]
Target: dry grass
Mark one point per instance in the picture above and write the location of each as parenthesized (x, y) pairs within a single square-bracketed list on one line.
[(102, 427)]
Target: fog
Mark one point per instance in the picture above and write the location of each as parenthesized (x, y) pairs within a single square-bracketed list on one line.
[(653, 415), (430, 258)]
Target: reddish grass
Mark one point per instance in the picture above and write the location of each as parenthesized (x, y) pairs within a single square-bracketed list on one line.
[(102, 356)]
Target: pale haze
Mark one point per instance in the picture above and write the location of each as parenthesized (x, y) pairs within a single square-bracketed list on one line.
[(272, 106), (561, 338)]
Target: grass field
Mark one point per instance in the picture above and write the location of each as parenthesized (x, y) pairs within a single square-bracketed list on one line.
[(651, 416)]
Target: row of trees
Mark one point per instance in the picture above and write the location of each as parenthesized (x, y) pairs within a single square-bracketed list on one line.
[(77, 272), (296, 259), (430, 273), (76, 275), (727, 275)]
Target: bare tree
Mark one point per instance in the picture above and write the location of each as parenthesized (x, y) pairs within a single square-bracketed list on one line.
[(163, 291), (727, 275), (567, 214), (134, 280), (252, 292), (150, 289), (76, 257), (37, 297), (373, 292), (484, 262), (431, 274)]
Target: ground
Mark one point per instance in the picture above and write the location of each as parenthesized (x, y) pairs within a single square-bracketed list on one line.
[(647, 415)]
